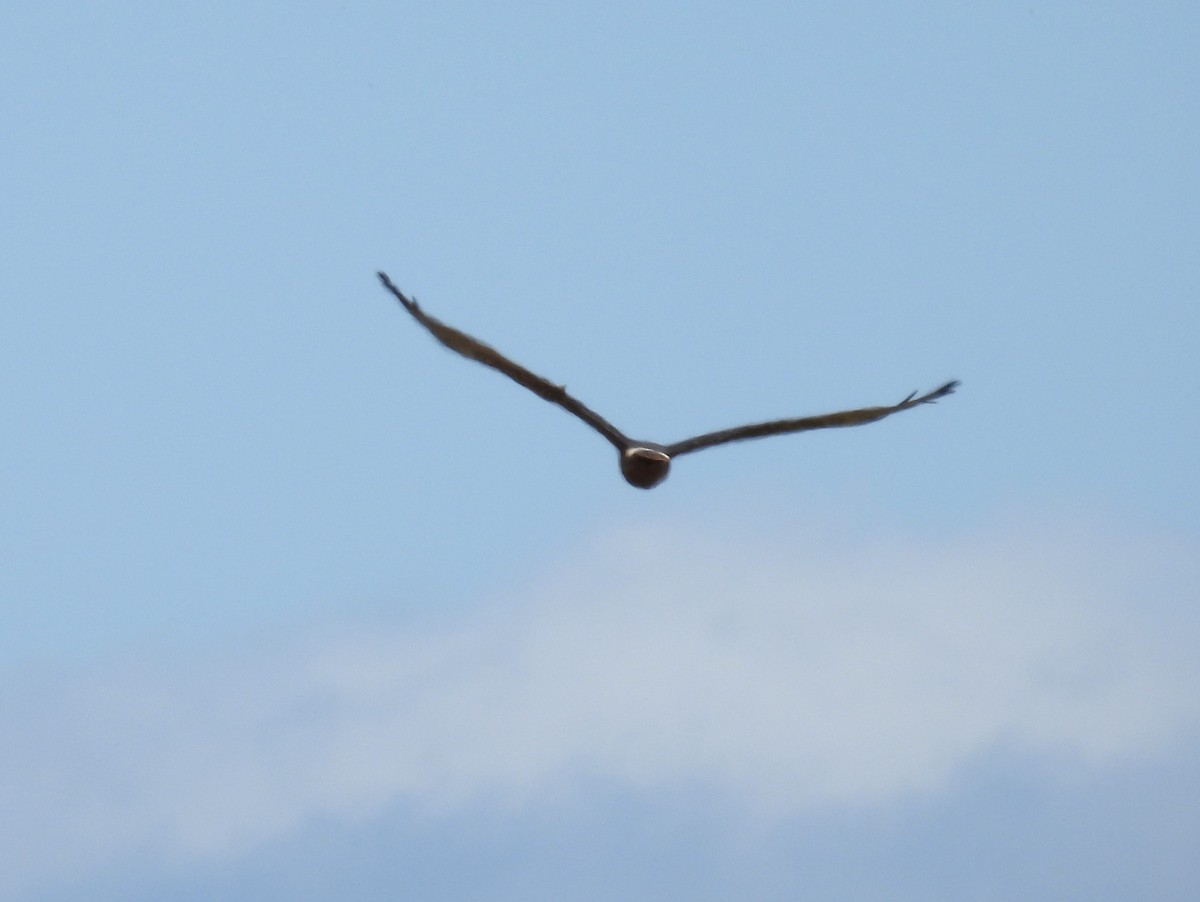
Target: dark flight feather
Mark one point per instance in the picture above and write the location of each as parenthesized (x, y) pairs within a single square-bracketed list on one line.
[(462, 343), (803, 424)]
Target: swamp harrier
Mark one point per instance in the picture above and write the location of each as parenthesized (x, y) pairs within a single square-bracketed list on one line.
[(643, 464)]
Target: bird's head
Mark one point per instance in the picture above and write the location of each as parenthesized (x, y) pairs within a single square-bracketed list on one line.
[(645, 466)]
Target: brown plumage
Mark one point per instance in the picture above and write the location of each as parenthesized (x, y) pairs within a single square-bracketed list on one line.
[(644, 464)]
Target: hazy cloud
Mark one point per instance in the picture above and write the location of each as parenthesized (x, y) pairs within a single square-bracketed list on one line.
[(783, 669)]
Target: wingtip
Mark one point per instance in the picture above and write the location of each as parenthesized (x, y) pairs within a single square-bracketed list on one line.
[(409, 304), (932, 397), (947, 389)]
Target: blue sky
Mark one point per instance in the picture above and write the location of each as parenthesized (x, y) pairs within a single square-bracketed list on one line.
[(295, 603)]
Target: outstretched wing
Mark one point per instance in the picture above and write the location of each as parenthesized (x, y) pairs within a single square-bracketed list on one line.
[(462, 343), (803, 424)]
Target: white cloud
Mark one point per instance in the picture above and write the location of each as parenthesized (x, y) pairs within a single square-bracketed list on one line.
[(786, 671)]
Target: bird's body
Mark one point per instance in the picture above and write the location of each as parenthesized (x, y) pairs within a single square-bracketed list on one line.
[(643, 464)]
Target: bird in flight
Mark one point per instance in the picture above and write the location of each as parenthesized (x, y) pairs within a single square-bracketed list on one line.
[(643, 464)]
